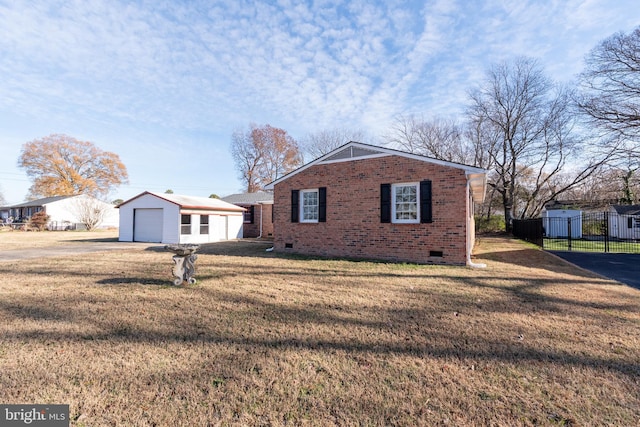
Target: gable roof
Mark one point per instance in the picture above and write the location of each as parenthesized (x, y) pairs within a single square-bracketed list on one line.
[(190, 202), (260, 197), (627, 209), (350, 151), (39, 202), (576, 205)]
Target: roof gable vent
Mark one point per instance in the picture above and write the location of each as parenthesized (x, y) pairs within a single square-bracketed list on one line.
[(352, 152)]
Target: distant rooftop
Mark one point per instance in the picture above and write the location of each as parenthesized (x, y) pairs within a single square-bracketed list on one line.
[(627, 209), (249, 198), (577, 205), (38, 202)]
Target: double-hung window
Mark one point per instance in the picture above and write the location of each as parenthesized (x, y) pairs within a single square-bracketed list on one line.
[(185, 224), (204, 224), (309, 205), (405, 206), (406, 203), (247, 217)]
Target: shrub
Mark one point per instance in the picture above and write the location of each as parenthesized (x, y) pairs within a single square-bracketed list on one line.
[(493, 224), (38, 221)]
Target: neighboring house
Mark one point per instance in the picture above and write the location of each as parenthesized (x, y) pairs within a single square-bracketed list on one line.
[(65, 212), (363, 201), (258, 217), (562, 223), (174, 218), (624, 222)]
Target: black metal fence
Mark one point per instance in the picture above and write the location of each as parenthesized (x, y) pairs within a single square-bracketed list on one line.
[(530, 230), (589, 232)]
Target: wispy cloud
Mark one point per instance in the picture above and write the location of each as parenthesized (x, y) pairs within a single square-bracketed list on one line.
[(205, 68)]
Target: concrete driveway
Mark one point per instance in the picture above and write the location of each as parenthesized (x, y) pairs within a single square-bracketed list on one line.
[(72, 249), (624, 268)]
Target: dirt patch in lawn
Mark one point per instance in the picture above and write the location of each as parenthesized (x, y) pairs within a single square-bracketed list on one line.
[(263, 339)]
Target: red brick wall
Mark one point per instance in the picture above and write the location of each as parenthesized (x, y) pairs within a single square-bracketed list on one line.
[(267, 221), (353, 227), (253, 230)]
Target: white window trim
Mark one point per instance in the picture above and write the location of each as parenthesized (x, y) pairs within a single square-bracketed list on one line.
[(246, 216), (394, 220), (302, 192), (185, 229), (204, 224)]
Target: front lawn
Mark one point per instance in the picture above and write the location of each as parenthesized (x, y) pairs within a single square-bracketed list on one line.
[(263, 339)]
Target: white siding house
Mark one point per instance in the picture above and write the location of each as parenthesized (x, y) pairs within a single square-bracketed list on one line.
[(65, 212), (174, 218), (624, 222)]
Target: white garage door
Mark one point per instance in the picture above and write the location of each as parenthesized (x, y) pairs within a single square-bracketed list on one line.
[(147, 225)]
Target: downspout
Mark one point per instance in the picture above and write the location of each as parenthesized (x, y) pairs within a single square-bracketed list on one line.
[(260, 236), (468, 233)]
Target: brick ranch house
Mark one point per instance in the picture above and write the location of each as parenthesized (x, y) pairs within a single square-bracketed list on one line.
[(363, 201)]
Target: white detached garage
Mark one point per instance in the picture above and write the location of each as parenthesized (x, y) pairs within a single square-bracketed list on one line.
[(174, 218)]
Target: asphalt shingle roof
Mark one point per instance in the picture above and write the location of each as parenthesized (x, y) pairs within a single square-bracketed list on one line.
[(249, 198), (627, 209)]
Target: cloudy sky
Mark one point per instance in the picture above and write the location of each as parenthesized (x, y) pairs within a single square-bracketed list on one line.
[(164, 84)]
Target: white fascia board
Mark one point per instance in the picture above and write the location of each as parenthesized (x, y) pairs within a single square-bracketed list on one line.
[(382, 152)]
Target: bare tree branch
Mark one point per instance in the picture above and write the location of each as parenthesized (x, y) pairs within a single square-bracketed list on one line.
[(527, 128), (610, 85), (317, 144), (262, 154)]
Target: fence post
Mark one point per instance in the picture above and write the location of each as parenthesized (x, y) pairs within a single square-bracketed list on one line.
[(606, 232), (569, 233)]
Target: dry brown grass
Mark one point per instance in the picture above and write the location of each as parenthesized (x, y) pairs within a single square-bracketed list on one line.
[(263, 339)]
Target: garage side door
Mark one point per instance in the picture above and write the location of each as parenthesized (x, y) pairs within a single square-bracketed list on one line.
[(147, 225), (221, 226)]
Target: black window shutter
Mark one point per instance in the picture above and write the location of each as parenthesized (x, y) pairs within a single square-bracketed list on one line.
[(252, 212), (295, 205), (629, 222), (322, 204), (385, 203), (425, 202)]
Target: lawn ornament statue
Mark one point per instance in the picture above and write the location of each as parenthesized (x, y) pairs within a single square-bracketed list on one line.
[(184, 259)]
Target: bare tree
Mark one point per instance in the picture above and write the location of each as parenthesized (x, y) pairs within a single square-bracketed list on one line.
[(317, 144), (627, 177), (90, 211), (609, 185), (610, 85), (439, 138), (263, 154), (526, 126), (281, 154), (3, 201), (247, 157)]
